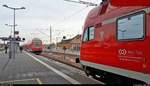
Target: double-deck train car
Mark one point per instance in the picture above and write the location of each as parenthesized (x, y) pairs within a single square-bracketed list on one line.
[(115, 43), (35, 46)]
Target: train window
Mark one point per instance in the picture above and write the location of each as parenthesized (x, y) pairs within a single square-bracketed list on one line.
[(91, 33), (131, 27), (37, 44), (85, 37)]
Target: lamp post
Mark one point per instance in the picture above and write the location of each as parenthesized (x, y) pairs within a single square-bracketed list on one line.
[(14, 9), (12, 41), (50, 30)]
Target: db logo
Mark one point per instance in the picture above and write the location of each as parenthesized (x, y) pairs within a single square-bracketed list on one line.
[(122, 51)]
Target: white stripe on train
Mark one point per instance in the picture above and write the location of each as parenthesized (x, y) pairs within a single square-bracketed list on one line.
[(119, 71)]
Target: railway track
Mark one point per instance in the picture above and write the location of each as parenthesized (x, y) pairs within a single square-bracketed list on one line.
[(70, 66), (56, 56), (68, 59)]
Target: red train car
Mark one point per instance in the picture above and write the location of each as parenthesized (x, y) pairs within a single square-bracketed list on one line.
[(35, 46), (115, 43)]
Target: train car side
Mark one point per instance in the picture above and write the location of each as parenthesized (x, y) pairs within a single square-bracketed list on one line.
[(107, 46)]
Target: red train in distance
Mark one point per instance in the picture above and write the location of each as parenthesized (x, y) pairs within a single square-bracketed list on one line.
[(116, 43), (35, 46)]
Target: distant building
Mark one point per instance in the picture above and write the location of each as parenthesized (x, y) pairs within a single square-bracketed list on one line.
[(75, 43), (72, 44), (65, 43)]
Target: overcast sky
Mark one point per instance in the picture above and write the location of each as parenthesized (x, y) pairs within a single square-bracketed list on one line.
[(66, 18)]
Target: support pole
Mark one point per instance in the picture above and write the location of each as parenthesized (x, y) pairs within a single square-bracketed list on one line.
[(50, 35), (13, 42)]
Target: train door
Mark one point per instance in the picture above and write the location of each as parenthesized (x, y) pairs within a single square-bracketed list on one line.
[(88, 43), (131, 32)]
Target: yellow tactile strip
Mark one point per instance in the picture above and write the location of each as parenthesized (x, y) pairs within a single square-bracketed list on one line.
[(23, 80)]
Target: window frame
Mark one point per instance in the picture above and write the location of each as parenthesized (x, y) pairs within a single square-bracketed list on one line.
[(129, 16), (88, 34)]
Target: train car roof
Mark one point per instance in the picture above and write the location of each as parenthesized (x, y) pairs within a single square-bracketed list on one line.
[(107, 11), (36, 39)]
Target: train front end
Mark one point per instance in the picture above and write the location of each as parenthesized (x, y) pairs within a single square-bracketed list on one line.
[(37, 46)]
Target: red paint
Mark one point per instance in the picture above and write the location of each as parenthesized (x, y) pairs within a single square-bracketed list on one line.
[(134, 55), (31, 46), (130, 2)]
